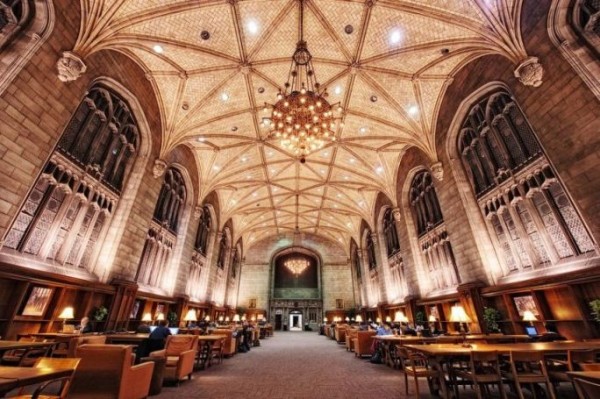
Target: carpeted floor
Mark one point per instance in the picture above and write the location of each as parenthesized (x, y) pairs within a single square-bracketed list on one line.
[(298, 365)]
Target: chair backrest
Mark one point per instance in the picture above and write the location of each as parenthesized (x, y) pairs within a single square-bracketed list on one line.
[(586, 389), (582, 356), (75, 342), (180, 343), (484, 356), (526, 356), (100, 371), (64, 363)]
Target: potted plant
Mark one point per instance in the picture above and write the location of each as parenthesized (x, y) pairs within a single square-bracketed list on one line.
[(420, 318), (172, 318), (100, 313), (491, 317), (595, 307)]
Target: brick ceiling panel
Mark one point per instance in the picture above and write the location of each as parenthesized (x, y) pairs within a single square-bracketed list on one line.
[(389, 71)]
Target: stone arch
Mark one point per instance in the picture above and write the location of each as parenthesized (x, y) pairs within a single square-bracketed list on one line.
[(20, 48)]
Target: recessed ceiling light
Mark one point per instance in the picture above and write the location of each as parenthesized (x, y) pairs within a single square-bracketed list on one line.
[(395, 36), (348, 29), (158, 49), (339, 195), (254, 194), (337, 90), (362, 130), (275, 189), (224, 96), (248, 177), (244, 159), (346, 178), (216, 167), (379, 169), (413, 110), (185, 106), (352, 160), (373, 98), (261, 90), (270, 153), (325, 154), (252, 27), (201, 139), (205, 35), (335, 205), (234, 128), (233, 202), (322, 171)]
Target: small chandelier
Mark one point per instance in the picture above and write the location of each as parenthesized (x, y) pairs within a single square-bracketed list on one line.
[(302, 119), (296, 266)]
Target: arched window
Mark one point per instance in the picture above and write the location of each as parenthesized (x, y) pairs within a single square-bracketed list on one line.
[(392, 243), (15, 16), (371, 251), (66, 215), (424, 202), (433, 238), (586, 21), (171, 200), (235, 264), (356, 264), (530, 218), (194, 281), (203, 233), (162, 235), (222, 259)]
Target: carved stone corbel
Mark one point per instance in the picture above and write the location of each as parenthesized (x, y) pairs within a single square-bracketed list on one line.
[(159, 168), (530, 72), (70, 67), (437, 171), (198, 211)]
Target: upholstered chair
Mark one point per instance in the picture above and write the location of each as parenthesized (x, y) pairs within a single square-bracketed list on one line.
[(363, 343), (106, 372), (350, 336), (229, 346), (180, 352)]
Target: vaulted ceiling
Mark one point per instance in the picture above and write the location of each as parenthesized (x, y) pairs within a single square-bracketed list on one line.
[(387, 62)]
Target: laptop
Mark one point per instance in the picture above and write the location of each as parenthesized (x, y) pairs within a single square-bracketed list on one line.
[(531, 331)]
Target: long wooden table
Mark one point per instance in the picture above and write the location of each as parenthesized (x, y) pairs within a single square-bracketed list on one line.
[(127, 339), (17, 377), (205, 345), (15, 345), (441, 354)]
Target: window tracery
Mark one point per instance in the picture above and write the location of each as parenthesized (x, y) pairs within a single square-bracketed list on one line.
[(223, 249), (530, 218), (586, 20), (15, 16), (203, 234), (392, 243), (434, 241), (67, 213), (372, 259), (171, 200)]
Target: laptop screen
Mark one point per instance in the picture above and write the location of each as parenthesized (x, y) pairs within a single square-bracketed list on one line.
[(531, 331), (174, 330)]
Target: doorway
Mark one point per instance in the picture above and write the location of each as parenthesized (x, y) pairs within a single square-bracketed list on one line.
[(278, 322), (295, 321)]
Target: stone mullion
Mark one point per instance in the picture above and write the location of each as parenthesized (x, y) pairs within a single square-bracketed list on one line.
[(477, 161), (522, 232), (498, 246), (509, 239), (117, 138), (561, 222), (541, 228), (150, 265), (60, 214), (454, 274), (108, 126), (67, 245), (88, 233), (497, 137), (516, 135), (91, 113)]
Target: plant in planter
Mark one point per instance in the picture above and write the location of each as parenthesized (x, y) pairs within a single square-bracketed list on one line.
[(100, 313), (491, 317), (595, 307), (420, 318), (172, 318)]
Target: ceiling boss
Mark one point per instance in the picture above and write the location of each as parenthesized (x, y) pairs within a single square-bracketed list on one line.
[(302, 119)]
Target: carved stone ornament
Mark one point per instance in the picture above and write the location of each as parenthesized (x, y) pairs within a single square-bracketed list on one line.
[(198, 212), (159, 168), (437, 171), (530, 72), (70, 67), (396, 214)]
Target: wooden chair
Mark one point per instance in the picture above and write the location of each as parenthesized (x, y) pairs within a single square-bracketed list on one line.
[(529, 367), (586, 389), (65, 382), (415, 365), (483, 369), (577, 360), (217, 350), (180, 352)]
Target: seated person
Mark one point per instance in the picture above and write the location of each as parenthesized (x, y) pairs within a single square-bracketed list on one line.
[(408, 330), (161, 332), (551, 334), (384, 329), (85, 327)]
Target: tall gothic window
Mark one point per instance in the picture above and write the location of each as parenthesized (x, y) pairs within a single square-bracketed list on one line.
[(371, 251), (356, 264), (586, 21), (222, 259), (203, 234), (235, 264), (194, 281), (162, 235), (530, 218), (392, 243), (15, 16), (433, 238), (68, 211)]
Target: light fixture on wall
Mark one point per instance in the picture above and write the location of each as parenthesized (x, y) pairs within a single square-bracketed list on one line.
[(359, 318), (296, 266), (400, 317), (147, 317), (302, 119), (67, 314), (160, 316), (458, 315), (236, 318), (529, 316)]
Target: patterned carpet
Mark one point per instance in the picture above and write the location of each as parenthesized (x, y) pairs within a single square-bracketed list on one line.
[(298, 365)]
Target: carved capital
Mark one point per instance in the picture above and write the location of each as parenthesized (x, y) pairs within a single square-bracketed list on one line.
[(530, 72), (159, 168), (70, 67), (396, 214), (437, 171), (198, 211)]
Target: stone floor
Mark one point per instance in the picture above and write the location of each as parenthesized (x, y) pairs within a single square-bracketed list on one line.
[(300, 365)]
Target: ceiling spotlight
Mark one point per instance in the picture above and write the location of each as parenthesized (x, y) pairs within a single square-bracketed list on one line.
[(185, 106), (205, 35), (252, 27), (445, 51), (158, 49), (216, 167), (234, 128), (349, 29), (373, 98), (379, 169), (201, 139), (337, 90), (224, 96), (395, 36), (362, 130), (413, 110), (261, 90)]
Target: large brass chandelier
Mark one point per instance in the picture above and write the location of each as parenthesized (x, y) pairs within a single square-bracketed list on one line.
[(302, 119), (296, 266)]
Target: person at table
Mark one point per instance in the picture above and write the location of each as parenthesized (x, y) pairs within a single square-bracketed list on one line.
[(161, 332), (551, 334), (85, 327), (384, 329), (143, 328)]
